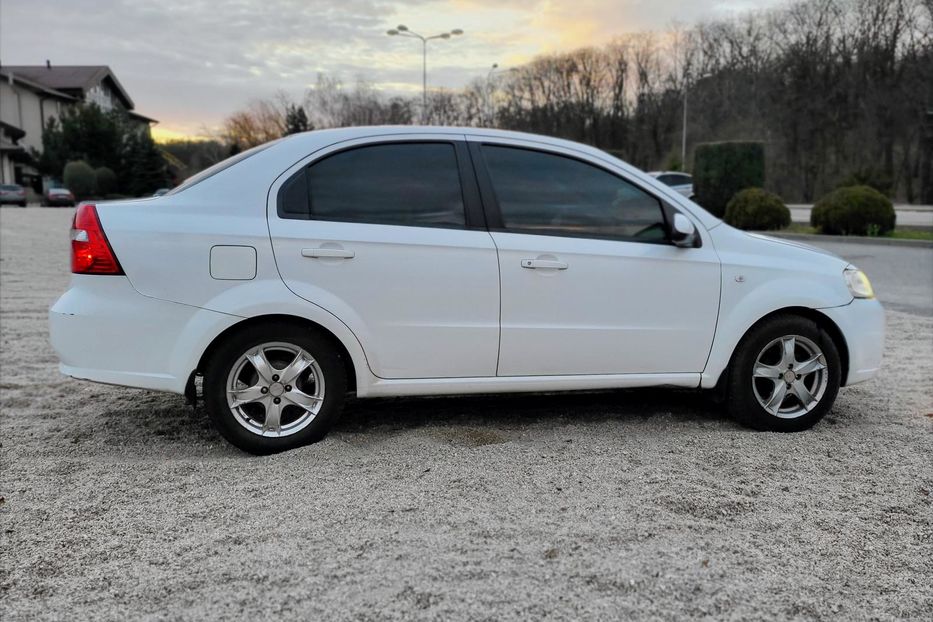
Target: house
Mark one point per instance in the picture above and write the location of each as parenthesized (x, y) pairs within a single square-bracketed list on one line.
[(31, 95)]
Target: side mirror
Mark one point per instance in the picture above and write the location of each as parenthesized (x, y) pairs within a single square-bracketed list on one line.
[(683, 233)]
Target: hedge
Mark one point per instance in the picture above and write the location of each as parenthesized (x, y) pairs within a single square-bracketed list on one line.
[(856, 210), (106, 180), (79, 177), (720, 170), (754, 208)]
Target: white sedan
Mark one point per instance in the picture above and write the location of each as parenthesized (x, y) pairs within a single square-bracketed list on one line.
[(385, 261)]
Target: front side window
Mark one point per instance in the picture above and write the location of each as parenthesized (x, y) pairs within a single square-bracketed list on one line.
[(542, 193), (411, 184)]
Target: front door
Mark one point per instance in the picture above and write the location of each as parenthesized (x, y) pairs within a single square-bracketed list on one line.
[(590, 282)]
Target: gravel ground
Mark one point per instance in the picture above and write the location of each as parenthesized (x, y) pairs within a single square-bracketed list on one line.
[(122, 504)]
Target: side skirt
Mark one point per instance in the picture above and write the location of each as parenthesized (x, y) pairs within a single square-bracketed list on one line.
[(379, 387)]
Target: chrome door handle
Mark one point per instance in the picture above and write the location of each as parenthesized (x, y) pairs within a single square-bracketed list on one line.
[(337, 253), (544, 263)]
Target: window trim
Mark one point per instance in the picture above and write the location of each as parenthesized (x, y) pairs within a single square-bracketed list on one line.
[(473, 213), (494, 213)]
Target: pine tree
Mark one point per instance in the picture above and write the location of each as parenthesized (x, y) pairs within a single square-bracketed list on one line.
[(296, 120)]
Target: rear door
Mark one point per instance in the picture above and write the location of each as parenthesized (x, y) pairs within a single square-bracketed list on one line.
[(390, 238), (590, 282)]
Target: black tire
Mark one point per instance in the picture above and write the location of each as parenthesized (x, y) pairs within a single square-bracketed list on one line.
[(219, 366), (742, 402)]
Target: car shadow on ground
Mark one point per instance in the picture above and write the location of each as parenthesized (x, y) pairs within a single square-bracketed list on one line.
[(524, 409), (158, 420)]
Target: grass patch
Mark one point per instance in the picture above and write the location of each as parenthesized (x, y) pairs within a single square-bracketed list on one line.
[(898, 234), (911, 234)]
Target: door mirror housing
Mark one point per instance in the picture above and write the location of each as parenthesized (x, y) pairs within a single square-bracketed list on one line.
[(683, 232)]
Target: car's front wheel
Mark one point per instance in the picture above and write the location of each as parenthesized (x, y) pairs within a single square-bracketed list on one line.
[(785, 375), (274, 387)]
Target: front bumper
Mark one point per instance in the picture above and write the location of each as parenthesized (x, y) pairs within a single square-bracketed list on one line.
[(104, 330), (862, 326)]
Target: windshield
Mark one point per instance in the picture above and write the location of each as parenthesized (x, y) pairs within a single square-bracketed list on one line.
[(220, 166)]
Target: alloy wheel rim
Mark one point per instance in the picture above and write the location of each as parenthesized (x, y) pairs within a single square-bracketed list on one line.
[(275, 389), (790, 376)]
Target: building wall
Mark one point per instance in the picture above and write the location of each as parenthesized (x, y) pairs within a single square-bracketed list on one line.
[(6, 170), (25, 108)]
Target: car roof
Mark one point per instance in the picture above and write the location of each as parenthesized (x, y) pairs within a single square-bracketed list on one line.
[(286, 152)]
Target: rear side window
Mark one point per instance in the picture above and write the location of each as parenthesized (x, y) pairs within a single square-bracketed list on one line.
[(411, 184), (548, 194)]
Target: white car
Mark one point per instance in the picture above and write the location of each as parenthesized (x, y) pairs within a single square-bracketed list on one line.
[(386, 261), (680, 182)]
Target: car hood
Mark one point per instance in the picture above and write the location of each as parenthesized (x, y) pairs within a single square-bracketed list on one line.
[(795, 244)]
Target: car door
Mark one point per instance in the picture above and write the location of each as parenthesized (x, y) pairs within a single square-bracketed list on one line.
[(590, 282), (390, 238)]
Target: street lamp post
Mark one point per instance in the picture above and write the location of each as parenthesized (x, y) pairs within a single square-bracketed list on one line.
[(403, 31), (492, 71)]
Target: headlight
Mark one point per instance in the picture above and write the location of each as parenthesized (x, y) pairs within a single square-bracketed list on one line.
[(858, 283)]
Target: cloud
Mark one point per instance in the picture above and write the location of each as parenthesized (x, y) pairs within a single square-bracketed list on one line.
[(189, 63)]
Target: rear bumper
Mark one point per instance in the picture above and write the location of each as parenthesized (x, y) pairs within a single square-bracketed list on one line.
[(104, 330), (862, 326)]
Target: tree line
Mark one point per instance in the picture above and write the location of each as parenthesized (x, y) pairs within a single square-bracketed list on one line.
[(121, 150), (839, 91)]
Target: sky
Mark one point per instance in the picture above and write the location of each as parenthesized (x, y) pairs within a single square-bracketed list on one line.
[(190, 63)]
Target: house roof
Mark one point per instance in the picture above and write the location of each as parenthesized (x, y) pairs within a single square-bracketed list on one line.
[(72, 78), (6, 74)]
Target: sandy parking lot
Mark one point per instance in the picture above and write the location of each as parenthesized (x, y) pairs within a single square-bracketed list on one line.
[(122, 504)]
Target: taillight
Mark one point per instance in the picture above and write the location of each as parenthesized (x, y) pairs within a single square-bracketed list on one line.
[(90, 250)]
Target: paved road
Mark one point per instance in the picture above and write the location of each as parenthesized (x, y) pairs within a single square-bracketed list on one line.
[(907, 215), (902, 276)]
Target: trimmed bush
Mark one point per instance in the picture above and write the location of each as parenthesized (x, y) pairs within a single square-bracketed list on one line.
[(106, 180), (856, 210), (754, 208), (80, 179), (720, 170)]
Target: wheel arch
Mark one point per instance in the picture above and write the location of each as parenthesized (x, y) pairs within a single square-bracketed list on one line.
[(295, 320), (821, 320)]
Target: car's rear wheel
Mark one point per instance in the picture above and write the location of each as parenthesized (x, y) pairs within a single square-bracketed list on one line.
[(274, 387), (785, 375)]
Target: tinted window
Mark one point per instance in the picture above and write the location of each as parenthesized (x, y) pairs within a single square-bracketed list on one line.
[(550, 194), (678, 180), (414, 184)]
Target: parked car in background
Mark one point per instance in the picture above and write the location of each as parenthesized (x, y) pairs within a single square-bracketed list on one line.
[(387, 261), (59, 197), (12, 194), (161, 191), (681, 182)]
